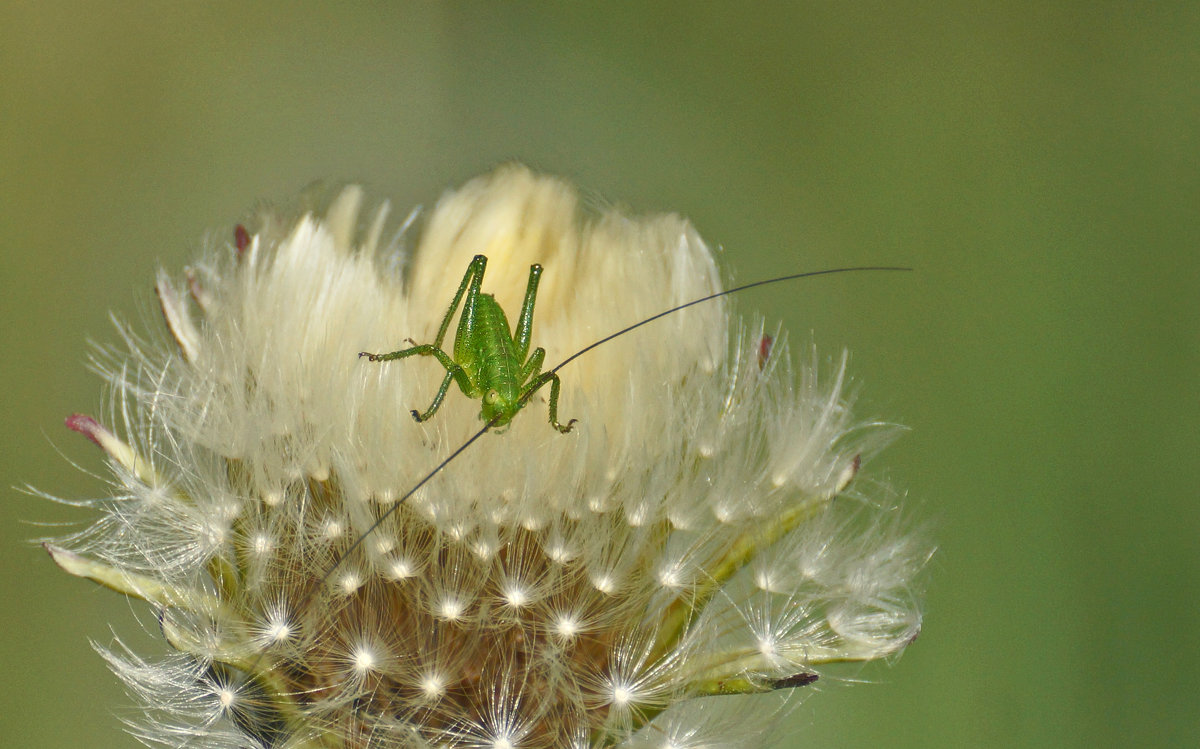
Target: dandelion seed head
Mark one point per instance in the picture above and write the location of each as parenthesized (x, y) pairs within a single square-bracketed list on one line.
[(516, 596), (767, 646), (350, 582), (261, 544), (383, 545), (723, 512), (637, 516), (451, 608), (401, 569), (544, 589), (433, 685), (385, 496), (278, 629), (671, 574), (364, 659), (214, 534), (622, 695), (566, 626), (532, 523), (483, 550)]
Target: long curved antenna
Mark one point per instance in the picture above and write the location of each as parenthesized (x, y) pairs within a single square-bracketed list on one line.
[(726, 292), (486, 427)]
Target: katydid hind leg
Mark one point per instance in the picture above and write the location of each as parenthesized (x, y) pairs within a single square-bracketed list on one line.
[(524, 330), (471, 286), (471, 283)]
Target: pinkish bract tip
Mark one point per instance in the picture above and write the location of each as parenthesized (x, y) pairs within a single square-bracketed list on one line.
[(241, 239), (85, 425), (764, 349)]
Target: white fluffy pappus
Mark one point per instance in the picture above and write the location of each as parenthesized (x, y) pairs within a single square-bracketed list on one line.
[(694, 539)]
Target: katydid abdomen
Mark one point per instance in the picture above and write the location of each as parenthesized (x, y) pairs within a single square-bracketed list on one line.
[(489, 359)]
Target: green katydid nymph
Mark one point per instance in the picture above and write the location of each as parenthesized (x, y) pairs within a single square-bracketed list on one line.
[(489, 361)]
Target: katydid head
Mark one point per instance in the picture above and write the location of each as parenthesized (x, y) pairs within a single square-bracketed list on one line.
[(498, 409)]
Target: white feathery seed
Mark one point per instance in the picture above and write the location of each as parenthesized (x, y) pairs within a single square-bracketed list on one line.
[(277, 629), (364, 659), (702, 531), (433, 685)]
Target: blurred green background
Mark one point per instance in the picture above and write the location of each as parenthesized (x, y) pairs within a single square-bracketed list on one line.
[(1038, 165)]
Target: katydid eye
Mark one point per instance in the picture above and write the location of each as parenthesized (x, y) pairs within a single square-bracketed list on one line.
[(491, 396)]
